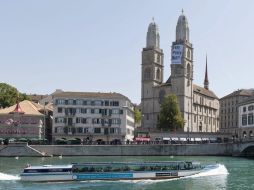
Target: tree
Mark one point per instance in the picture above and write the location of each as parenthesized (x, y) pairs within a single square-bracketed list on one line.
[(137, 115), (9, 95), (170, 117)]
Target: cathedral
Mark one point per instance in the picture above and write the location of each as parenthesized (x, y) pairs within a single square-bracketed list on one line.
[(198, 105)]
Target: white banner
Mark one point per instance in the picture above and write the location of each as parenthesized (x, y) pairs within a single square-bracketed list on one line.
[(177, 52)]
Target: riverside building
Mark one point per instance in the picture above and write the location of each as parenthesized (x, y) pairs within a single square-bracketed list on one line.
[(199, 105), (92, 117), (246, 118), (229, 113), (22, 122)]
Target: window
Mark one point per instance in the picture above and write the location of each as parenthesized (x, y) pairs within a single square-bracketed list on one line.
[(250, 119), (158, 58), (79, 102), (98, 102), (60, 102), (80, 130), (83, 110), (147, 73), (244, 120), (112, 130), (85, 130), (250, 108), (114, 103), (158, 73), (97, 130), (60, 110), (106, 103), (70, 102), (244, 109)]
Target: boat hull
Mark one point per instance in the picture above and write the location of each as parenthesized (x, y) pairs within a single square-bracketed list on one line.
[(106, 176)]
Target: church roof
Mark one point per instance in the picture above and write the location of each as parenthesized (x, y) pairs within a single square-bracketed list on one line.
[(169, 80), (27, 107), (203, 91)]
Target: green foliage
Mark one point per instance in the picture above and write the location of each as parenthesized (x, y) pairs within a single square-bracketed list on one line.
[(170, 117), (9, 95), (137, 115)]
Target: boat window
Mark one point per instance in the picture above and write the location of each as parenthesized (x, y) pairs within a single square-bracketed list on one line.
[(47, 170), (121, 167)]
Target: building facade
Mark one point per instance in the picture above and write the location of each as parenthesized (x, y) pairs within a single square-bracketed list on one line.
[(229, 113), (246, 118), (93, 117), (199, 105), (23, 120)]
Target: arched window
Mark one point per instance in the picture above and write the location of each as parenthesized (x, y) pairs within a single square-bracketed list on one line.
[(188, 54), (200, 127), (244, 134), (188, 74), (158, 74), (147, 74), (188, 71)]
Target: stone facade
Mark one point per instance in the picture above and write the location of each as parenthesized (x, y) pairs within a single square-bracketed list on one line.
[(246, 118), (91, 117), (199, 106), (229, 115)]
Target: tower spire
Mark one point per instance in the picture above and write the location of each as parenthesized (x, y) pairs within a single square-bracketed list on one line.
[(206, 81), (153, 36)]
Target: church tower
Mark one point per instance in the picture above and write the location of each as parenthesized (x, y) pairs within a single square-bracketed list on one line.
[(182, 70), (206, 81), (152, 73)]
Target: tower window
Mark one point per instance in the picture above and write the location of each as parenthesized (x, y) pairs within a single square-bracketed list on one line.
[(158, 58), (158, 73), (188, 54), (147, 73)]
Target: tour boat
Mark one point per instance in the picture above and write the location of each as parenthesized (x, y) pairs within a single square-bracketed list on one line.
[(111, 171)]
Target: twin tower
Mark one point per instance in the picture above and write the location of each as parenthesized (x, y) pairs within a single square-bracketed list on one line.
[(180, 82)]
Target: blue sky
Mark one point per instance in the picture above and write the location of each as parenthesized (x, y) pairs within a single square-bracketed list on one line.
[(96, 45)]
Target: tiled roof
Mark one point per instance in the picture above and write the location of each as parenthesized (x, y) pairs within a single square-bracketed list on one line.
[(247, 101), (203, 91), (111, 95), (241, 92), (28, 107)]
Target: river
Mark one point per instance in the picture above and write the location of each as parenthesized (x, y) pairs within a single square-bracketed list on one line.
[(234, 173)]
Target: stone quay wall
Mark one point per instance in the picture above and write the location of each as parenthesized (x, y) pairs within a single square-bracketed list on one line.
[(215, 149)]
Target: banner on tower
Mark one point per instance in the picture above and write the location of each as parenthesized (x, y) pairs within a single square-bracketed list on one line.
[(177, 52)]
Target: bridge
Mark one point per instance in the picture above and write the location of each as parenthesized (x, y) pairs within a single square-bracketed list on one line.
[(243, 148)]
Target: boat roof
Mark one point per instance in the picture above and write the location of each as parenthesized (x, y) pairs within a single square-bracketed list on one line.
[(133, 163), (50, 166), (107, 163)]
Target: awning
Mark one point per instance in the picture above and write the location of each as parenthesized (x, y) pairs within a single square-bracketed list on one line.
[(205, 139), (174, 138), (23, 140), (183, 139), (198, 139), (166, 139), (142, 139)]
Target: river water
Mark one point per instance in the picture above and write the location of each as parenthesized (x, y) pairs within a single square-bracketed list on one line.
[(233, 173)]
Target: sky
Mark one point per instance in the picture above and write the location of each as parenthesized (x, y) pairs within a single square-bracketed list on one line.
[(95, 46)]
